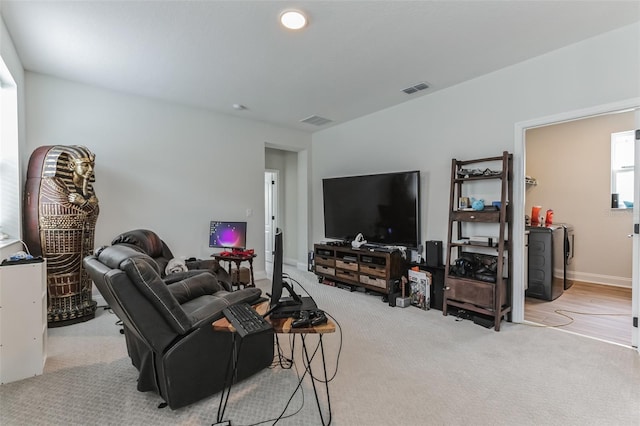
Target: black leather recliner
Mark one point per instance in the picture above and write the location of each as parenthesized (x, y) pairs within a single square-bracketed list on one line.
[(150, 243), (168, 327)]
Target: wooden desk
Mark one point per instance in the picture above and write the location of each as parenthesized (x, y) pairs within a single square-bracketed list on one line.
[(237, 259)]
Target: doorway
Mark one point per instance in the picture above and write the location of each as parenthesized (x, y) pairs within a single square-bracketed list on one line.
[(587, 204), (270, 212), (290, 201)]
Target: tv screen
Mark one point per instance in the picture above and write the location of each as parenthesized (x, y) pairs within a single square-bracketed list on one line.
[(228, 234), (384, 208)]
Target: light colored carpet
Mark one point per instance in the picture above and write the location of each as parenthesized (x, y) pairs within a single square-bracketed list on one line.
[(397, 367)]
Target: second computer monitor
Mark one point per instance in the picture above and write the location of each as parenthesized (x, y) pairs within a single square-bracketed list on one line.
[(276, 281), (231, 235)]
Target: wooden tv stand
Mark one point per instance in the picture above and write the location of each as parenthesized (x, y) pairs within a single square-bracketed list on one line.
[(372, 269)]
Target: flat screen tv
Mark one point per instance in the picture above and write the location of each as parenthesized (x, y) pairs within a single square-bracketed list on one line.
[(228, 234), (384, 208)]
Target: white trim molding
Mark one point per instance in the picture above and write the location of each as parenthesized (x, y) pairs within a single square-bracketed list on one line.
[(602, 279)]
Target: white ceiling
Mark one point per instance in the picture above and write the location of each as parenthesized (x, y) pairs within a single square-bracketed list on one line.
[(354, 58)]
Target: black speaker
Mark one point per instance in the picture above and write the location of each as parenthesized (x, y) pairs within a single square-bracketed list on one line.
[(310, 262), (434, 253), (392, 298), (394, 292), (614, 201)]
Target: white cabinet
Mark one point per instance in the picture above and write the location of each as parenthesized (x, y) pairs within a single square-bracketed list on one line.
[(23, 320)]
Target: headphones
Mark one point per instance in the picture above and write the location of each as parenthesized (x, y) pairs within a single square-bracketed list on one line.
[(359, 241)]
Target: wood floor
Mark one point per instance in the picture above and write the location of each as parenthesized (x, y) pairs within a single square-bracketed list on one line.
[(593, 310)]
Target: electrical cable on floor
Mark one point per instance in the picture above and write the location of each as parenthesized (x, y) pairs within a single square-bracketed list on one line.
[(562, 312), (298, 386), (300, 379), (307, 363), (308, 366), (592, 313), (280, 359), (287, 363), (572, 320)]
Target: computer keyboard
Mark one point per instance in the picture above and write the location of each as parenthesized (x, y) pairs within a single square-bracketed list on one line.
[(245, 319)]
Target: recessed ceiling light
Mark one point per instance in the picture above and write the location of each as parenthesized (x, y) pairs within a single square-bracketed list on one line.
[(239, 107), (293, 19)]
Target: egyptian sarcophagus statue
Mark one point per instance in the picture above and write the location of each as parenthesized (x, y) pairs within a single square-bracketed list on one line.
[(61, 211)]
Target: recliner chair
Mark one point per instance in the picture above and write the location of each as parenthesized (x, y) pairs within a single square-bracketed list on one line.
[(150, 243), (168, 327)]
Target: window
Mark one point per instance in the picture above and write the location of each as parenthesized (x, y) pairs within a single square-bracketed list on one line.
[(9, 158), (622, 159)]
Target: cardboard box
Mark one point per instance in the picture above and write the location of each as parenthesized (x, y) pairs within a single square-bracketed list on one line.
[(420, 285), (244, 277)]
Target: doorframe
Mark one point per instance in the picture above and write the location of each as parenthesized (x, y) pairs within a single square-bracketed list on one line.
[(519, 162), (273, 195)]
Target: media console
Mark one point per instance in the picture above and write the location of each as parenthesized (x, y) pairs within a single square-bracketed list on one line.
[(369, 268)]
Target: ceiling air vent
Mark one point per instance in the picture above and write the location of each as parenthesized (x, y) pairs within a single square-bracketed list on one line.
[(416, 88), (316, 120)]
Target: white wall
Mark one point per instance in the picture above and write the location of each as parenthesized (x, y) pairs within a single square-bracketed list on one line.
[(172, 168), (474, 119), (160, 166)]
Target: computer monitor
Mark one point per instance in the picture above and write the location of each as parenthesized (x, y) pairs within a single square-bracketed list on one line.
[(231, 235), (282, 307), (276, 280)]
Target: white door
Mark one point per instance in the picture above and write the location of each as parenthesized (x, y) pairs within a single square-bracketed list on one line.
[(270, 211), (635, 234)]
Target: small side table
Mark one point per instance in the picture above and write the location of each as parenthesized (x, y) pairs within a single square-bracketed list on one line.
[(237, 259), (284, 326)]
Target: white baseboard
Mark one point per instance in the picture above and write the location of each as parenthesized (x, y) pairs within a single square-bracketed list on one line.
[(601, 279)]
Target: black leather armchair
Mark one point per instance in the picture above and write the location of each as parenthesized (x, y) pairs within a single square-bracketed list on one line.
[(150, 243), (168, 327)]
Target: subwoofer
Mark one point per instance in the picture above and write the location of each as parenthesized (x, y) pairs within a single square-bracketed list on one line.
[(434, 253)]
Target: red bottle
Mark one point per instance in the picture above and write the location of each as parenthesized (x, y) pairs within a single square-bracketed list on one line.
[(548, 220), (535, 215)]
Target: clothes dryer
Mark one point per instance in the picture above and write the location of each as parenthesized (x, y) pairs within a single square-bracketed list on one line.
[(546, 263)]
